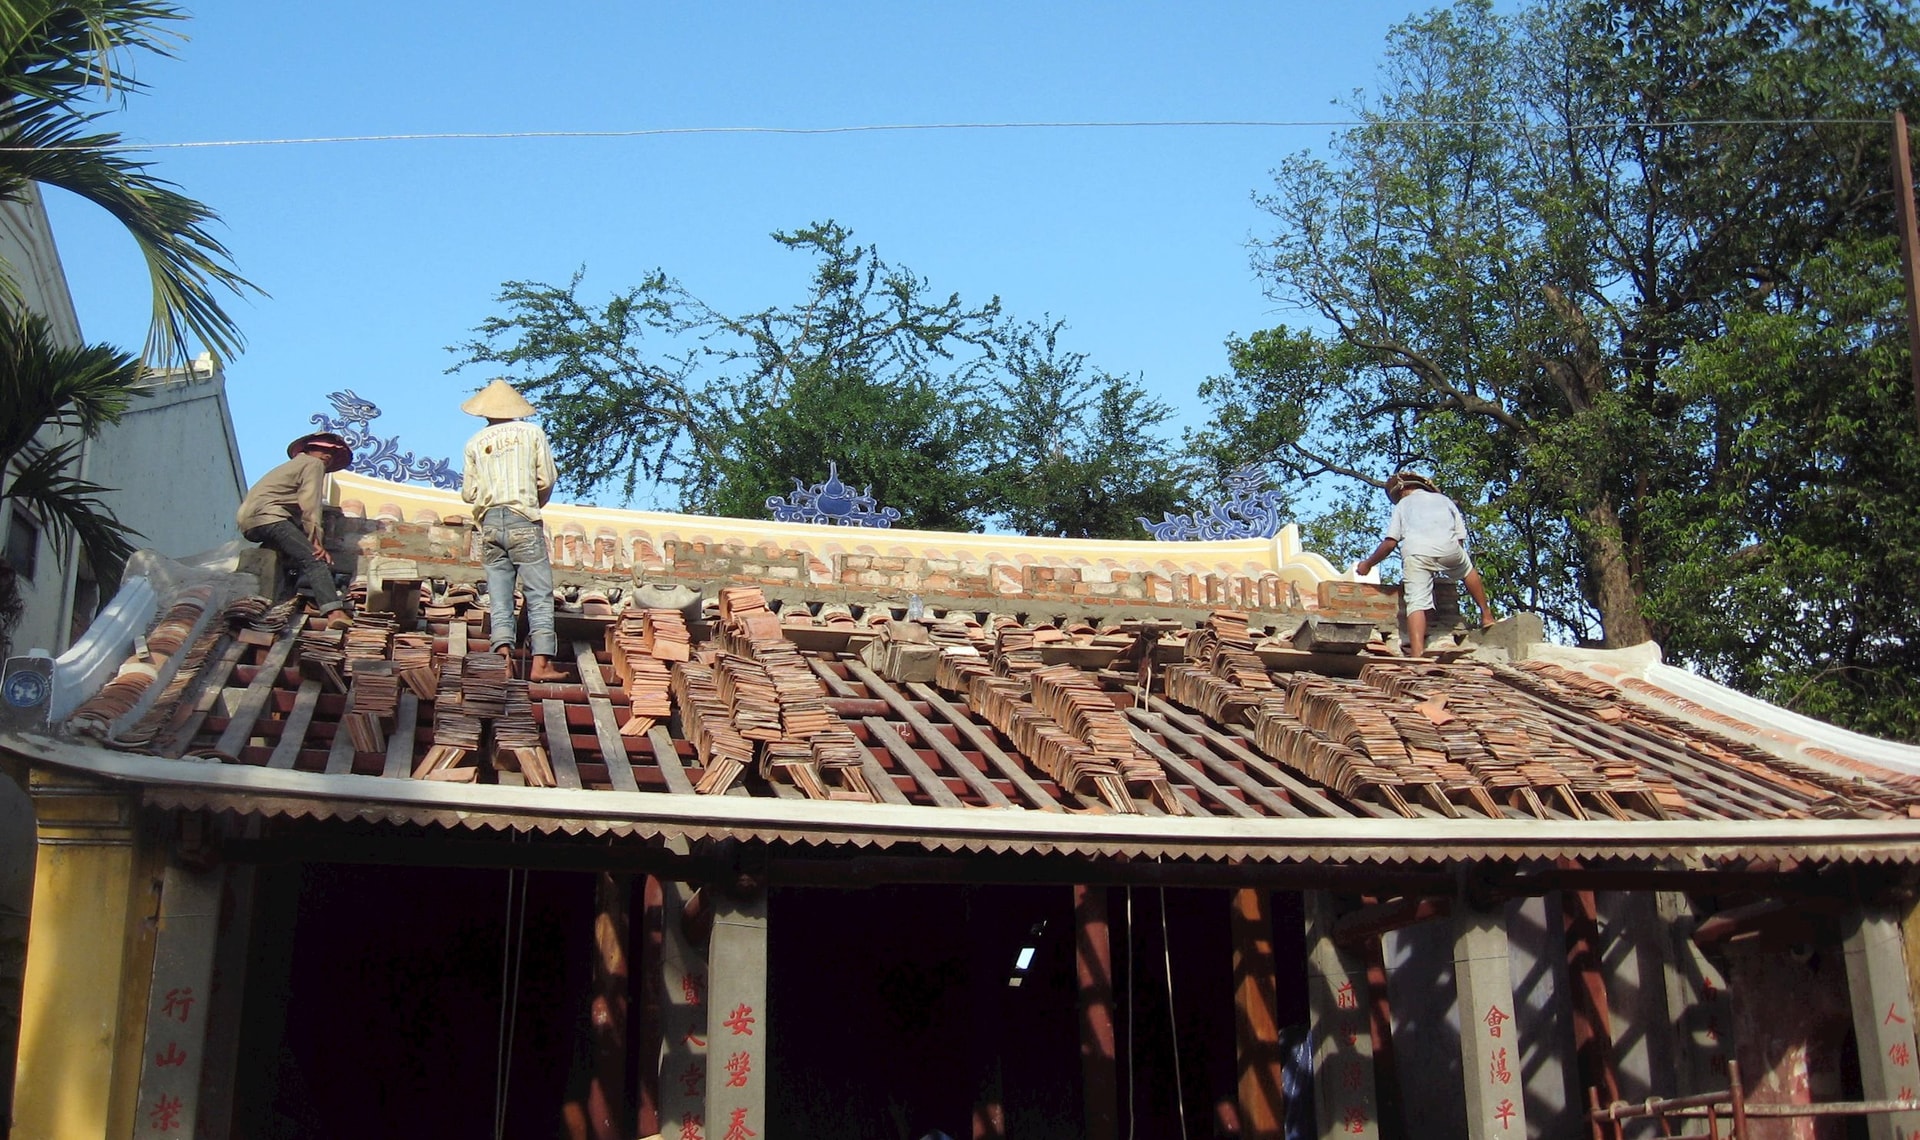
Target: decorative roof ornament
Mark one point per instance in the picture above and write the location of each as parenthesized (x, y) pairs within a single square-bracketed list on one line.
[(1250, 513), (831, 503), (381, 458)]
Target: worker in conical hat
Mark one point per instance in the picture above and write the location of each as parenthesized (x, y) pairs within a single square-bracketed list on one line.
[(508, 477), (1431, 535), (282, 513)]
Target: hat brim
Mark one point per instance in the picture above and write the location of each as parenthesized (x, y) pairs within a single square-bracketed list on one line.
[(498, 401), (339, 451)]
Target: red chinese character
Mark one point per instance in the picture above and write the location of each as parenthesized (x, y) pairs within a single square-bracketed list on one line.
[(1353, 1038), (1505, 1113), (1495, 1018), (693, 1079), (691, 985), (690, 1125), (740, 1021), (737, 1127), (695, 1040), (1356, 1119), (1892, 1016), (1713, 1029), (165, 1115), (739, 1068), (1344, 996), (1353, 1077), (1498, 1069), (171, 1055), (1905, 1093), (1707, 991), (1902, 1056), (179, 1004)]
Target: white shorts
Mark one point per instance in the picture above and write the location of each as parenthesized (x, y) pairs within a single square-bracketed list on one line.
[(1420, 570)]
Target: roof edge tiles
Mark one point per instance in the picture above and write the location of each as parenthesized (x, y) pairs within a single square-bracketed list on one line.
[(250, 790)]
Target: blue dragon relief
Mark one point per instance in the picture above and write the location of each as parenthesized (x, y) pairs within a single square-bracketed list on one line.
[(831, 503), (1250, 512), (376, 457)]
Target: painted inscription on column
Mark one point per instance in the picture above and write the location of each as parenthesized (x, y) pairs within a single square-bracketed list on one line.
[(1489, 1035), (1337, 999), (737, 1041), (1883, 1019), (176, 1032), (683, 1024)]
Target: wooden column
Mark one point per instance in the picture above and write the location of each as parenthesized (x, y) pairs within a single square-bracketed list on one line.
[(1489, 1032), (987, 982), (1345, 1091), (179, 999), (646, 1047), (1883, 1018), (607, 1113), (1262, 1099), (1696, 1002), (89, 962), (737, 1024), (1093, 968), (1592, 1028)]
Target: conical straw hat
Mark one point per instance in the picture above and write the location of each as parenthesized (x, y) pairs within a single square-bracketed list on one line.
[(498, 401)]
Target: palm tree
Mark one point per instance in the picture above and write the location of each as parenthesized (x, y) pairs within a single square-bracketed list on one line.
[(55, 57)]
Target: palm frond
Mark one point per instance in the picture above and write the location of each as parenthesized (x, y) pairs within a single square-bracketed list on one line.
[(46, 384), (71, 508), (54, 56)]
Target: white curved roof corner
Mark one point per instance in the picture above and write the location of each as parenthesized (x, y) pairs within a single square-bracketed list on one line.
[(1783, 731)]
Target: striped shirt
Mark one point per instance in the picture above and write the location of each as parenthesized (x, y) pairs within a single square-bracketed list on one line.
[(507, 465)]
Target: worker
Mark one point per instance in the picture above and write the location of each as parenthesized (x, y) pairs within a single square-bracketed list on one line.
[(508, 476), (282, 512), (1432, 538)]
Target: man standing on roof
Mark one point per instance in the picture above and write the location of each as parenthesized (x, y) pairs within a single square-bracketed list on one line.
[(1432, 537), (508, 477), (282, 512)]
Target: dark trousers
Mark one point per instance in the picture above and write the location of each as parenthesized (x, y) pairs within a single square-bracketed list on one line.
[(292, 543)]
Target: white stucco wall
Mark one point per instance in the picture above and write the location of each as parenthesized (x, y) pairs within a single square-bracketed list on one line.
[(174, 464)]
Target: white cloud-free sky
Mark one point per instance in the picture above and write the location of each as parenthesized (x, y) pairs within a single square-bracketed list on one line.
[(378, 255)]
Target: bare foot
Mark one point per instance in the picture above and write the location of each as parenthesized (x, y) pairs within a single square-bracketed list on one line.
[(544, 671)]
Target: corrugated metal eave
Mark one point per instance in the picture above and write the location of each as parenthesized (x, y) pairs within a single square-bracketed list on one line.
[(267, 792)]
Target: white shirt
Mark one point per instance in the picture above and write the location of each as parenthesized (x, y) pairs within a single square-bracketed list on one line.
[(507, 465), (1427, 522)]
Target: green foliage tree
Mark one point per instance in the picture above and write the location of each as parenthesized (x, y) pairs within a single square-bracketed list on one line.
[(916, 396), (1075, 451), (1541, 217)]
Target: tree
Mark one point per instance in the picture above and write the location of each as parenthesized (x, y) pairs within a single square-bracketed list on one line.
[(54, 57), (1540, 217), (939, 406), (1074, 450)]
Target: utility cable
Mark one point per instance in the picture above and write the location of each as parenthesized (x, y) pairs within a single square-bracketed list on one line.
[(512, 956), (1516, 126), (1173, 1023)]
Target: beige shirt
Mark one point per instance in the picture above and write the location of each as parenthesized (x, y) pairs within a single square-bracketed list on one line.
[(289, 493), (508, 465)]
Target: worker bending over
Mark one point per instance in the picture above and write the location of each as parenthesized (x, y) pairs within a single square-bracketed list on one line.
[(1431, 536)]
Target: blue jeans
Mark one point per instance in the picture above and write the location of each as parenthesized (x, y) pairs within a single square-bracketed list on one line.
[(297, 549), (512, 545)]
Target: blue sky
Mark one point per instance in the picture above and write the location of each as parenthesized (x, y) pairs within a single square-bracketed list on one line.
[(378, 255)]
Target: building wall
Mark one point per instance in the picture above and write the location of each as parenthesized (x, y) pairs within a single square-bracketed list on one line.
[(174, 464)]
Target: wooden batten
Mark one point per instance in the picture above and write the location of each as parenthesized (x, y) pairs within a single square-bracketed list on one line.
[(1093, 971), (1256, 1019)]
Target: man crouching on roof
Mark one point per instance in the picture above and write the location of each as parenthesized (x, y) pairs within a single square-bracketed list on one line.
[(508, 477), (1432, 537), (282, 512)]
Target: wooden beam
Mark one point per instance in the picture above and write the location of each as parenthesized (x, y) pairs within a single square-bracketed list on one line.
[(566, 769), (1298, 791), (924, 728), (406, 717), (646, 1045), (240, 726), (904, 755), (293, 733), (1354, 929), (1592, 1026), (1256, 1019), (609, 1111), (1093, 972)]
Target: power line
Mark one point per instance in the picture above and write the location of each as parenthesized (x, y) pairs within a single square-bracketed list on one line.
[(1516, 126)]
